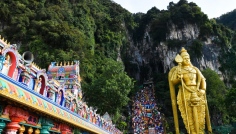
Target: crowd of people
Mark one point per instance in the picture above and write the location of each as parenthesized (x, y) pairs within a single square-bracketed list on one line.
[(146, 118)]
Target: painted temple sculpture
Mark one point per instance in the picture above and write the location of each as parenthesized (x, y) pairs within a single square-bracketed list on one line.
[(191, 98), (34, 100)]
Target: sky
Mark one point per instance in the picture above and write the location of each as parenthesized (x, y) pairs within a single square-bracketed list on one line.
[(213, 8)]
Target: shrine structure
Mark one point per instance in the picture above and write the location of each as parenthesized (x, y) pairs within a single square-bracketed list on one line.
[(33, 100)]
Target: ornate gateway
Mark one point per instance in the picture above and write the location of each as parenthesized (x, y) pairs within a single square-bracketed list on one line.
[(34, 100)]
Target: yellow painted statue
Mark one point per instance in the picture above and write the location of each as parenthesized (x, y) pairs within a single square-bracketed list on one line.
[(191, 98)]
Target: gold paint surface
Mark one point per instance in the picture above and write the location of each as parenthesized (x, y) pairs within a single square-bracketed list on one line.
[(191, 98)]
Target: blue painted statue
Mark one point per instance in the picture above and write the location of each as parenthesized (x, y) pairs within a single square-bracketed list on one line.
[(2, 59)]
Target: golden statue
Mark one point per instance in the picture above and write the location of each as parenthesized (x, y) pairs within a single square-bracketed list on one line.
[(191, 98)]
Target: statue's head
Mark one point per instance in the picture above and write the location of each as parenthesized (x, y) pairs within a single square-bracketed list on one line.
[(7, 57), (186, 58)]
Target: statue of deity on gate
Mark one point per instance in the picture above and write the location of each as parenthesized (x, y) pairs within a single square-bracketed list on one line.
[(6, 65)]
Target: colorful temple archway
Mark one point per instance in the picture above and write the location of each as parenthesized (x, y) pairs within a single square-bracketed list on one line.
[(34, 100)]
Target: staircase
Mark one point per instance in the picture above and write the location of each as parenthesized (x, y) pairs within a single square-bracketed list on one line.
[(146, 119)]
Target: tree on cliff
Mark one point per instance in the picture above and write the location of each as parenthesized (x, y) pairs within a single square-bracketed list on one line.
[(228, 19), (109, 89), (216, 94)]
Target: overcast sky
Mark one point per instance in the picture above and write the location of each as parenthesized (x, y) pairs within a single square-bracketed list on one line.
[(213, 8)]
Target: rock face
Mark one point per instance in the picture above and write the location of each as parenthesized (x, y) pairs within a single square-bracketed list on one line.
[(150, 57), (188, 32)]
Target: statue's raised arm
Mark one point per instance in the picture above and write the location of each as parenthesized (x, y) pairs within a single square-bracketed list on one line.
[(191, 98)]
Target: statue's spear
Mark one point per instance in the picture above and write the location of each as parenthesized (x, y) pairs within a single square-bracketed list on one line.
[(173, 100), (208, 122)]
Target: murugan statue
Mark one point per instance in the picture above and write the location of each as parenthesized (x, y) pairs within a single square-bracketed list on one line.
[(191, 98)]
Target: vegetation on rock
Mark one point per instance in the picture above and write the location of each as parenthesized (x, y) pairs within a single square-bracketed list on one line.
[(228, 19)]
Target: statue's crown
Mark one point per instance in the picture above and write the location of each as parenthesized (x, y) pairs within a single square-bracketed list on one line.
[(183, 52)]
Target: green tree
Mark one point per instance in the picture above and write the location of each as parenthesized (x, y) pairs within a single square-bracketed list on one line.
[(228, 19), (109, 89), (216, 94), (230, 102)]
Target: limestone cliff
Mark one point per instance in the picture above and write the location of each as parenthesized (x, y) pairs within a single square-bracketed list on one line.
[(150, 57)]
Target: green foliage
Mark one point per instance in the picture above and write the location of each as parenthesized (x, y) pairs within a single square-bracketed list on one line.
[(179, 14), (228, 59), (196, 48), (110, 87), (206, 29), (183, 13), (230, 102), (186, 12), (228, 19), (223, 35), (216, 94), (159, 26), (142, 21), (91, 31), (108, 90), (77, 131), (122, 125)]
